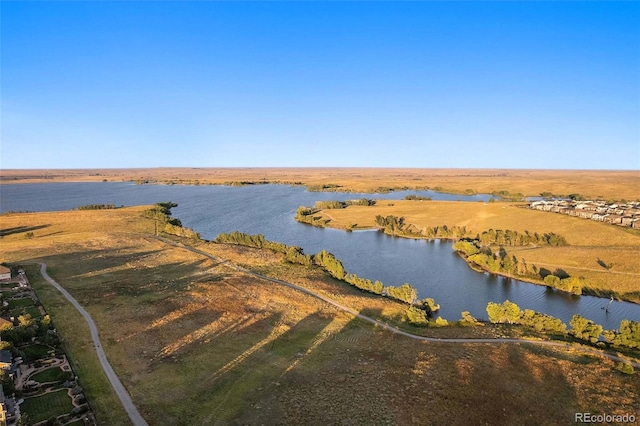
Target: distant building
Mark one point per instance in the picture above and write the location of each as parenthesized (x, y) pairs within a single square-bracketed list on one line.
[(5, 273)]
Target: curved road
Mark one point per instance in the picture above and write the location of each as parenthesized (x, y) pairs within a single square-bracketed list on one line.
[(117, 385), (387, 326)]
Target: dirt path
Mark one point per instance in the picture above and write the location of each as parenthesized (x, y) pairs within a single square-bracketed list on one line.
[(387, 326), (118, 387)]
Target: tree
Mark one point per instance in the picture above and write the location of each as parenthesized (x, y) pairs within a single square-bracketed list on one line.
[(429, 305), (468, 319), (330, 263), (25, 320), (585, 329), (628, 335), (405, 293), (416, 316)]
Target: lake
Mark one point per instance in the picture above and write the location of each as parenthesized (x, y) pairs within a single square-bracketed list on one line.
[(430, 266)]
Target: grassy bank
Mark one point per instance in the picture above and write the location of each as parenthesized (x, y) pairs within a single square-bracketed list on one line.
[(196, 342)]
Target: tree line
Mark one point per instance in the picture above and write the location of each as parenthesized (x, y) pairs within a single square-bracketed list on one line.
[(417, 197), (501, 262), (627, 335), (97, 207), (514, 238), (331, 204), (332, 265), (394, 225)]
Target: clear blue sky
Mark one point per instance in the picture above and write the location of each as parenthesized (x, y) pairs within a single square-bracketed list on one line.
[(402, 84)]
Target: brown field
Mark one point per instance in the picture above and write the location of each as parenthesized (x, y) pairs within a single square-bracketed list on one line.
[(606, 184), (588, 240), (196, 342)]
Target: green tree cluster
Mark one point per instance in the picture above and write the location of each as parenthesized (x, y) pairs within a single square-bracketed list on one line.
[(361, 202), (416, 316), (628, 335), (97, 207), (306, 215), (415, 197), (162, 213), (509, 196), (292, 254), (585, 329), (514, 238), (405, 293), (330, 264), (509, 312), (325, 187), (327, 205), (394, 225)]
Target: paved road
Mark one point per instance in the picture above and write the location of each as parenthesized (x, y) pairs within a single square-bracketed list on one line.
[(117, 385), (387, 326)]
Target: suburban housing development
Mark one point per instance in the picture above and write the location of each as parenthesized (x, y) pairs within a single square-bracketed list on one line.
[(627, 214)]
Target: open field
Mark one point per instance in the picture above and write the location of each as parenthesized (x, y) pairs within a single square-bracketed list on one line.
[(196, 342), (620, 184), (589, 241)]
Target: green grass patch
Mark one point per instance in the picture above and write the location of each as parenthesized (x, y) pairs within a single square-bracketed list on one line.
[(20, 303), (45, 406), (51, 375), (35, 351), (8, 285), (31, 310)]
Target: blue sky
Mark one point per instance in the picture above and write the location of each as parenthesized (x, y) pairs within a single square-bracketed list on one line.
[(370, 84)]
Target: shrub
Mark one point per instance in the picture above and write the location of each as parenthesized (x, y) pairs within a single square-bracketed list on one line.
[(416, 316), (625, 368)]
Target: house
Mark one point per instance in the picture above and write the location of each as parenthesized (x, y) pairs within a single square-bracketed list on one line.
[(614, 218), (5, 273), (599, 217), (627, 221), (5, 324), (5, 359)]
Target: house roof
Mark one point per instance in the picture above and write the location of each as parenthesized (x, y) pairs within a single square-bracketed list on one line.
[(4, 270)]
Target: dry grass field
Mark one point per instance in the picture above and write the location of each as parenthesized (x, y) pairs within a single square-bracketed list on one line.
[(606, 184), (589, 241), (196, 342)]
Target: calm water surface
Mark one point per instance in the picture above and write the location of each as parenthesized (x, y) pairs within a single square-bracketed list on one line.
[(430, 266)]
